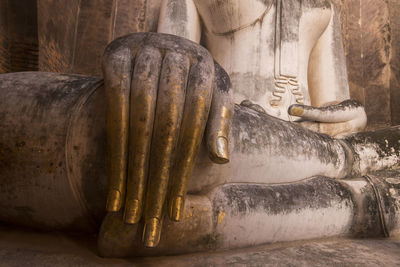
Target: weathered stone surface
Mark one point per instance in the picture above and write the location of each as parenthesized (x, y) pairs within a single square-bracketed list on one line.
[(74, 34), (95, 28), (368, 46), (394, 8), (352, 40), (59, 162), (376, 60), (18, 36), (4, 52), (52, 135), (21, 247), (57, 32)]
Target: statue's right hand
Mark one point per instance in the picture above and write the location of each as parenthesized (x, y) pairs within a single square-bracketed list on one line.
[(337, 120), (160, 89)]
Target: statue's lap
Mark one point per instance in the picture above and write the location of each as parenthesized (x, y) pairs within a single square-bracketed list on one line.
[(238, 208)]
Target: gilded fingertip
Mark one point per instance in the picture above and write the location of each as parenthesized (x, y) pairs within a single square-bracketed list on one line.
[(222, 153), (132, 212), (176, 208), (296, 110), (113, 201), (151, 233)]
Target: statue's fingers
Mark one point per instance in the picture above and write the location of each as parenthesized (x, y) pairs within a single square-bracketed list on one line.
[(197, 107), (143, 105), (344, 111), (170, 102), (220, 118), (117, 76)]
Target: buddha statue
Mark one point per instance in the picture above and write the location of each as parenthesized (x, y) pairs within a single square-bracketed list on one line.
[(190, 169)]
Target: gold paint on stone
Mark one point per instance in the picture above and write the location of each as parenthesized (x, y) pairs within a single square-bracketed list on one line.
[(296, 111), (176, 208), (222, 150), (113, 201), (132, 212), (221, 216), (151, 233)]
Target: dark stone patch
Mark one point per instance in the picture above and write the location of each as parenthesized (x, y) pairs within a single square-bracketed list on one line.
[(94, 184), (248, 104), (222, 81), (315, 3), (315, 193), (387, 140), (207, 242), (388, 196), (290, 21)]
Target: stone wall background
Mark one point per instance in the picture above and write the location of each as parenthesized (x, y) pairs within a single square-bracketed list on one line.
[(67, 36), (18, 36), (371, 31), (70, 36), (81, 29)]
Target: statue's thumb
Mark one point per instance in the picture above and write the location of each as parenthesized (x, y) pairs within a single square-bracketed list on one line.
[(220, 118)]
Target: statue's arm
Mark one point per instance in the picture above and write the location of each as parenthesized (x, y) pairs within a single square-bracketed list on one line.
[(180, 17), (332, 111), (327, 79)]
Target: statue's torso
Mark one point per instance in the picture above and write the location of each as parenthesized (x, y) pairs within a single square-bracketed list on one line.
[(266, 58)]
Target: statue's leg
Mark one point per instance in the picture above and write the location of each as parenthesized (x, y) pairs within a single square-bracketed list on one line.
[(52, 156), (238, 205), (243, 215), (53, 150), (268, 150), (52, 134)]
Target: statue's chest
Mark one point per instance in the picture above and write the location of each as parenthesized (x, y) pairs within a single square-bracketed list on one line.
[(264, 46), (224, 16)]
